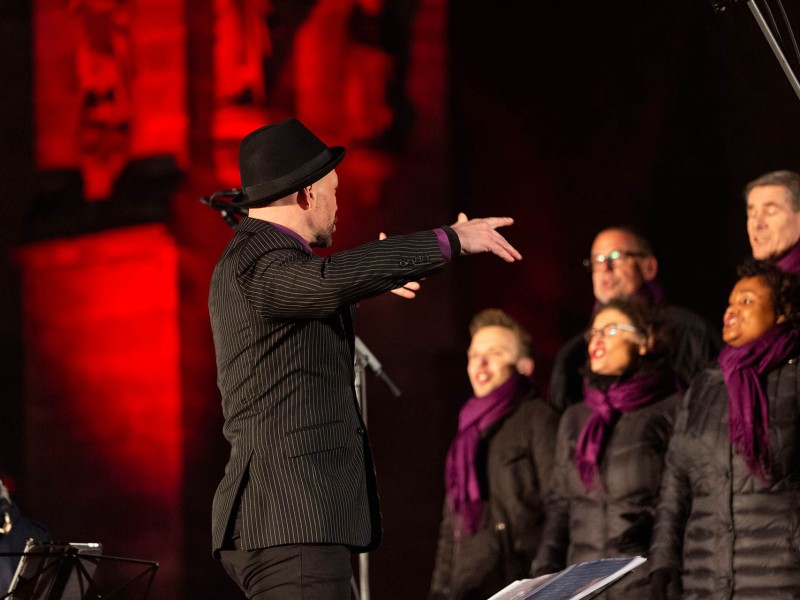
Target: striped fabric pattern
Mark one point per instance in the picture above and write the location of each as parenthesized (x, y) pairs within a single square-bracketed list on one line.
[(283, 325)]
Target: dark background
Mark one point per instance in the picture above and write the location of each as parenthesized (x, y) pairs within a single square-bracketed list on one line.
[(567, 117)]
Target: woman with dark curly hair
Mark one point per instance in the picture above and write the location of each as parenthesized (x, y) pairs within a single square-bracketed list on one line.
[(610, 448), (728, 520)]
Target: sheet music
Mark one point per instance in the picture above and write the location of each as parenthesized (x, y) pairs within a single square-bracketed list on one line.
[(573, 583)]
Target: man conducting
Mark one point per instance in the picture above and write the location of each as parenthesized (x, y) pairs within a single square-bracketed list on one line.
[(299, 494)]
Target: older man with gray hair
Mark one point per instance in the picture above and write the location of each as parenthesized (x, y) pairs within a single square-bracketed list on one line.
[(773, 218)]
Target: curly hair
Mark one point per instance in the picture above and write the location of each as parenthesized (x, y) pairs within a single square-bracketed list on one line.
[(647, 318), (497, 317), (785, 287)]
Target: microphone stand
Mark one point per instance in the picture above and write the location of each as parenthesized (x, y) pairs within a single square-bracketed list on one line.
[(363, 359), (721, 6), (776, 49), (375, 365)]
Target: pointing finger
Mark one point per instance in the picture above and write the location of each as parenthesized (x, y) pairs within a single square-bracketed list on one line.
[(496, 222)]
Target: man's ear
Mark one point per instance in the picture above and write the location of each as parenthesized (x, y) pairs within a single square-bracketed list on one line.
[(305, 198), (781, 319), (649, 267), (525, 366)]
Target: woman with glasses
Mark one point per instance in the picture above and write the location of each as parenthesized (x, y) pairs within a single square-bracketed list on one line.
[(610, 448), (728, 520)]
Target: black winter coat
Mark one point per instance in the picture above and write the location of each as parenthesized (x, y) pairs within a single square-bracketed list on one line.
[(583, 526), (695, 343), (514, 463), (732, 536)]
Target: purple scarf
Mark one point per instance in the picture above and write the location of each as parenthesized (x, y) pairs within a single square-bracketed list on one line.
[(748, 414), (622, 396), (790, 262), (461, 480)]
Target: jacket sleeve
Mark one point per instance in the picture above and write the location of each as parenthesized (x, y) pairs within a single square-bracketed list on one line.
[(443, 566), (566, 384), (543, 445), (695, 343), (280, 280), (675, 498), (552, 553)]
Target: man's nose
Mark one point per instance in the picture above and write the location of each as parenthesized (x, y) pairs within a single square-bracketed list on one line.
[(604, 266)]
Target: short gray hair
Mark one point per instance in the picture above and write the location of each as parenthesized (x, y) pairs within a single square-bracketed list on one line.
[(788, 179)]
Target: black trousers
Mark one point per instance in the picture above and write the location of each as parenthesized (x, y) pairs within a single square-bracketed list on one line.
[(292, 572)]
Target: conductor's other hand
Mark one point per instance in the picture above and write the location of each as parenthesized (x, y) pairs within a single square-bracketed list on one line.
[(480, 235), (410, 289)]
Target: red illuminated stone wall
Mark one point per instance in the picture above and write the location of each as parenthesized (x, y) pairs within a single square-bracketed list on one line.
[(103, 429), (122, 436), (109, 86)]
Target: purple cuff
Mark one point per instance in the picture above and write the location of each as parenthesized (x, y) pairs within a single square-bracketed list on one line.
[(444, 244)]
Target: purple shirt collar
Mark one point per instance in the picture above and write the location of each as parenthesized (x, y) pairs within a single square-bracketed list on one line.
[(790, 261), (291, 232)]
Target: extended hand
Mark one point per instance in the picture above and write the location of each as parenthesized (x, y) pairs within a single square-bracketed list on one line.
[(480, 235), (408, 290)]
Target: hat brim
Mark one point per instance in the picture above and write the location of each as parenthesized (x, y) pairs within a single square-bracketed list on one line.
[(250, 199)]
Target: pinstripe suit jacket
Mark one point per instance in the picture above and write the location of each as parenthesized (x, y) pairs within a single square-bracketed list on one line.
[(282, 320)]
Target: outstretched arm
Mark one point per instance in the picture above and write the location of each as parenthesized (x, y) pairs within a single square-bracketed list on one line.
[(474, 236), (480, 235)]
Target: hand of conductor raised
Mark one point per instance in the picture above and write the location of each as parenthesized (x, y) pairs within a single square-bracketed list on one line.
[(476, 236), (480, 235)]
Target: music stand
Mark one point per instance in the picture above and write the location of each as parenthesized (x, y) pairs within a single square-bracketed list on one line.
[(55, 571)]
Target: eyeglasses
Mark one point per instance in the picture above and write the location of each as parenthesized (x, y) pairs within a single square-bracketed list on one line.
[(596, 262), (610, 330)]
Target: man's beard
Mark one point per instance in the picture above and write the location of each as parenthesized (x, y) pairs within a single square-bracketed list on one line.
[(324, 238)]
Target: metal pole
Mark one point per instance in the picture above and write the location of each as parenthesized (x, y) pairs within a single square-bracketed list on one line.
[(361, 394), (787, 69), (363, 359)]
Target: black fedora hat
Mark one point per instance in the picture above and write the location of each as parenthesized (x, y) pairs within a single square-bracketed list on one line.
[(279, 159)]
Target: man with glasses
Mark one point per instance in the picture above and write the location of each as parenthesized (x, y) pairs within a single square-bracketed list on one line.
[(623, 266)]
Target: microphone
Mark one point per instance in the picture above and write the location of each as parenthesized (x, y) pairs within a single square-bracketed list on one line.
[(225, 206), (374, 364), (226, 210)]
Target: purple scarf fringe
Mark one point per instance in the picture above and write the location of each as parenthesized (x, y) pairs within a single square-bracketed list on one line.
[(748, 414), (622, 396), (461, 480)]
